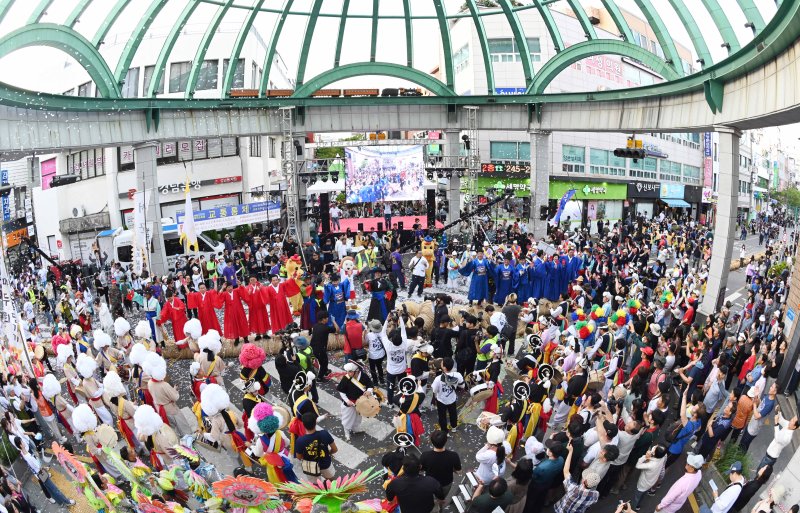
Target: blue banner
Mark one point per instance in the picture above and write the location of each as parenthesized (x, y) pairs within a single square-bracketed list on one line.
[(6, 198), (509, 90), (231, 211), (561, 205)]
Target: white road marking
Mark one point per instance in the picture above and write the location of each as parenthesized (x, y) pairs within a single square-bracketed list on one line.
[(733, 297)]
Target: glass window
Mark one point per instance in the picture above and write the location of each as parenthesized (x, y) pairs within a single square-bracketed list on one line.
[(643, 168), (603, 162), (573, 158), (691, 174), (208, 76), (255, 146), (533, 45), (148, 76), (670, 171), (503, 150), (598, 157), (238, 75), (506, 49), (179, 76), (85, 89), (524, 151), (461, 59), (271, 144), (130, 89)]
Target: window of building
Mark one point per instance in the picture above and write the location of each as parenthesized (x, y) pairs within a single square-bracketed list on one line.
[(255, 146), (70, 92), (179, 76), (238, 74), (573, 158), (646, 168), (506, 50), (85, 89), (208, 77), (670, 171), (271, 147), (509, 150), (691, 174), (130, 89), (461, 59), (603, 162), (715, 152), (148, 76), (87, 164)]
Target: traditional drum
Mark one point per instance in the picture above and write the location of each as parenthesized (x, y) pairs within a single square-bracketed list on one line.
[(368, 406), (480, 392), (597, 380), (487, 419)]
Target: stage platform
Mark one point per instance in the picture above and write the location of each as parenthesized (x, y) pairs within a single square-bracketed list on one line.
[(370, 224)]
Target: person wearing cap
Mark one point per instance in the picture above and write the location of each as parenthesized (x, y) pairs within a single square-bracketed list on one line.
[(380, 290), (506, 279), (680, 490), (335, 296), (723, 502), (765, 405), (579, 497), (352, 386), (492, 456), (537, 273), (302, 403)]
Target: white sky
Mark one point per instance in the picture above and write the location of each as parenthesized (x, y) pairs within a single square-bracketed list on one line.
[(34, 68)]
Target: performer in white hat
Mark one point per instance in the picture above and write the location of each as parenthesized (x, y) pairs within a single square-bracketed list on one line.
[(61, 409), (108, 357), (122, 329), (165, 396), (211, 365), (156, 436), (124, 409), (93, 390), (227, 429), (353, 385)]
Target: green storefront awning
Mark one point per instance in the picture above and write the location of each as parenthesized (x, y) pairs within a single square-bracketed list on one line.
[(679, 203)]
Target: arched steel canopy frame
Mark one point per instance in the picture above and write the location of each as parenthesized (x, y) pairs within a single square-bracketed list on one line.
[(108, 22), (200, 56), (619, 20), (227, 80), (340, 38), (373, 44), (583, 19), (309, 34), (136, 38), (76, 13), (273, 45), (579, 51), (447, 50), (723, 24), (550, 23), (38, 12), (373, 68), (752, 14), (72, 43), (699, 43), (522, 41), (409, 34), (662, 34), (169, 44), (487, 58)]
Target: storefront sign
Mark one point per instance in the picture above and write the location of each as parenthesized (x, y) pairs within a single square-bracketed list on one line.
[(48, 170), (6, 199), (15, 238), (507, 168), (708, 195), (589, 190), (672, 191), (520, 186), (639, 189), (708, 165), (178, 187), (509, 90), (233, 215)]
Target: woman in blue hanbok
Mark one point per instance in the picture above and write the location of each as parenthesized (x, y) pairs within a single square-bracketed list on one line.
[(479, 268), (537, 273), (551, 281), (524, 289)]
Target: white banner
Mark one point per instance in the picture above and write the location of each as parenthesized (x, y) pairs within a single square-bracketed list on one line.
[(140, 232), (9, 315)]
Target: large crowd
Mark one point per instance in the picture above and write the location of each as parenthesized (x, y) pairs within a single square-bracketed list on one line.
[(584, 354)]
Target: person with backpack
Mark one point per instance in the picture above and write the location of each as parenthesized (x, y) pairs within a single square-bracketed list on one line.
[(723, 502), (679, 433)]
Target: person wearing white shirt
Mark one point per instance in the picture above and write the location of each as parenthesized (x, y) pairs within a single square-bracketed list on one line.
[(336, 214), (49, 488), (396, 351), (723, 502), (419, 266), (784, 430), (444, 394), (491, 457)]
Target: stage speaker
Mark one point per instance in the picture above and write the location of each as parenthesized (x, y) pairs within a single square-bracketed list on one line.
[(543, 213), (324, 213), (399, 226), (361, 227), (431, 208), (380, 226)]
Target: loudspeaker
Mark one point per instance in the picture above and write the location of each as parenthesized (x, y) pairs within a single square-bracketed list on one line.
[(431, 208), (543, 213), (361, 227), (399, 226), (324, 213), (380, 226)]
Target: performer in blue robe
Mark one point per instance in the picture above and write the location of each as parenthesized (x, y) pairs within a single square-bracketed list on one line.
[(552, 269), (335, 296), (506, 280), (479, 268), (574, 265), (537, 273), (563, 273), (524, 289)]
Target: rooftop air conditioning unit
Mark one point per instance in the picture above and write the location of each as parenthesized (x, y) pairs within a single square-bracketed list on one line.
[(78, 211)]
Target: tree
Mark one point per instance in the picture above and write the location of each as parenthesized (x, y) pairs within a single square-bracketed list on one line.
[(789, 198), (332, 152)]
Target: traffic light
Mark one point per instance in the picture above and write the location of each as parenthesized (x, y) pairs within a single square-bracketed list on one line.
[(634, 150)]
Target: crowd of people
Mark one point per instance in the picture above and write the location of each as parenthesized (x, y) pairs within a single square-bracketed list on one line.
[(584, 355)]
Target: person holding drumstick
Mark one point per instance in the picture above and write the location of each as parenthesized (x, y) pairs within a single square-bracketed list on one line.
[(351, 388)]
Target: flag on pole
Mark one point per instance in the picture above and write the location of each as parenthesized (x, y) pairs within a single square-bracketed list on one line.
[(188, 232), (561, 205)]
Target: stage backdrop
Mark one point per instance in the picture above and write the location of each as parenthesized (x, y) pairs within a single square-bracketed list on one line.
[(384, 173)]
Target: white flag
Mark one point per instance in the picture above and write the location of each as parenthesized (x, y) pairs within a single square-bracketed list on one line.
[(188, 230)]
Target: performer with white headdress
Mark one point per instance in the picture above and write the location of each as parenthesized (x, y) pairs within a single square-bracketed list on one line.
[(122, 329), (140, 378), (192, 330), (82, 344), (156, 436), (165, 396), (354, 385), (93, 390), (108, 357), (211, 365), (226, 429), (115, 393), (85, 422), (62, 411), (65, 358), (144, 335)]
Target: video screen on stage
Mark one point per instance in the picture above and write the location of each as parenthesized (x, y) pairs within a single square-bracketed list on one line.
[(384, 173)]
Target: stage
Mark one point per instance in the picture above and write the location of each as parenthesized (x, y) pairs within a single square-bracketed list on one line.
[(371, 224)]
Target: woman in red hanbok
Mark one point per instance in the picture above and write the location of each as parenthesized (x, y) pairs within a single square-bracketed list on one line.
[(235, 320), (205, 301), (174, 311), (254, 297), (275, 296)]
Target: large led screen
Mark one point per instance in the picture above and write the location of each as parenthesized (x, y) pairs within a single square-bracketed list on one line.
[(384, 173)]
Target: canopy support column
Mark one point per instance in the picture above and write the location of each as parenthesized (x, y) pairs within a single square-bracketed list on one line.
[(147, 182), (540, 181), (452, 149), (725, 223)]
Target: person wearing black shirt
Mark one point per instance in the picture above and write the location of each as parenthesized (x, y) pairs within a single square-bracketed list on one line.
[(290, 247), (414, 493), (315, 264), (465, 348), (440, 463), (441, 338), (319, 343)]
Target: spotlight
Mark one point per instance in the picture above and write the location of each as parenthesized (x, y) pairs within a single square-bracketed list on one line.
[(312, 180), (324, 177), (304, 179), (430, 175), (335, 177), (439, 174), (465, 138), (298, 148)]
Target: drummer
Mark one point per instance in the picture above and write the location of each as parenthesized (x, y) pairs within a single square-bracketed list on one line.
[(420, 365), (513, 414), (491, 376), (301, 401), (411, 398), (353, 386)]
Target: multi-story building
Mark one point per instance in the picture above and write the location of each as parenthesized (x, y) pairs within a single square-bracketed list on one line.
[(221, 171), (607, 187)]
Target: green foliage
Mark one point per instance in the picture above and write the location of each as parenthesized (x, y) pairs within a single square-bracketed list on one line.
[(330, 152), (777, 269), (732, 452), (213, 235), (8, 453), (340, 198), (240, 231), (788, 197)]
